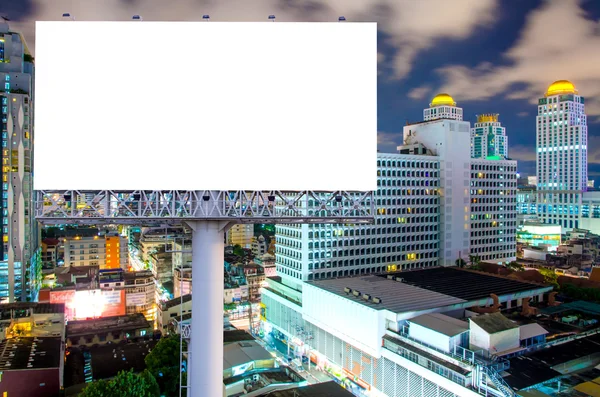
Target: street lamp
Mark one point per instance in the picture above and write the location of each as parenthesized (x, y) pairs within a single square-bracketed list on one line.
[(67, 15)]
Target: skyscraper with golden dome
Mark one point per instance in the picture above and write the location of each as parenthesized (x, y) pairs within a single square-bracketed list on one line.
[(443, 106), (561, 155)]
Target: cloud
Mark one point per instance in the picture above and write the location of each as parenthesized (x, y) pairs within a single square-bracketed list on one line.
[(388, 142), (409, 26), (593, 149), (522, 153), (419, 92), (538, 58), (523, 114)]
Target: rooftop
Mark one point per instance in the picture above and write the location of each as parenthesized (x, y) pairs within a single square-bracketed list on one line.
[(40, 308), (463, 284), (493, 322), (107, 324), (441, 323), (236, 335), (176, 301), (239, 353), (32, 353), (537, 367), (395, 296), (527, 331), (579, 306), (325, 389)]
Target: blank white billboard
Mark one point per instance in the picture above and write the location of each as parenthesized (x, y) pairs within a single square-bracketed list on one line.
[(205, 106)]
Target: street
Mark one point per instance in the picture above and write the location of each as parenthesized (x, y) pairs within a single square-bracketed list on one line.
[(280, 349)]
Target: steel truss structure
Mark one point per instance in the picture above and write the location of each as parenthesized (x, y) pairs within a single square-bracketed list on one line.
[(155, 207)]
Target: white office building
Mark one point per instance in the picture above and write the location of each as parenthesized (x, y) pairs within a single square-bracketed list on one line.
[(20, 267), (433, 207), (493, 210), (561, 155), (488, 138)]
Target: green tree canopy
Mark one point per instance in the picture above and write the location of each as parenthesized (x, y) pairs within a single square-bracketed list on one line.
[(238, 250), (125, 384), (163, 364), (550, 276)]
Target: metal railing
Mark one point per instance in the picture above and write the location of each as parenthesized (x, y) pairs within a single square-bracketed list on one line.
[(244, 206), (499, 382), (459, 353), (490, 365)]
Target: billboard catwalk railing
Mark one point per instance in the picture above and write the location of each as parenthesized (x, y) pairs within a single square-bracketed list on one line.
[(173, 206)]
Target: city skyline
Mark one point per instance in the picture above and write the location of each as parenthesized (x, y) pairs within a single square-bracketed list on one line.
[(488, 59)]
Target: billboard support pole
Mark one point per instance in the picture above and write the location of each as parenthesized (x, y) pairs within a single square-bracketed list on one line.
[(205, 357)]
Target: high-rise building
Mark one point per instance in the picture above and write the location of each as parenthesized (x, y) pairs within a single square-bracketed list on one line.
[(488, 138), (432, 208), (561, 155), (20, 261), (443, 106), (493, 210)]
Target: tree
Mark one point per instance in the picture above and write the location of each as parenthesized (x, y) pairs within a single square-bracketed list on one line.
[(514, 266), (550, 276), (238, 250), (125, 384), (460, 262), (474, 260), (163, 364)]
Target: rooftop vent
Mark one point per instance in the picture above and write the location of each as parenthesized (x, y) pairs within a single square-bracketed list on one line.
[(377, 300)]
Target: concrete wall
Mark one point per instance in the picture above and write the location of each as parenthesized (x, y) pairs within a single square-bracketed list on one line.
[(345, 318), (430, 337), (505, 340)]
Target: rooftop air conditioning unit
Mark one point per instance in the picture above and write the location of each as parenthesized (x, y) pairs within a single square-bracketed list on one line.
[(376, 300), (347, 290), (356, 293), (391, 277), (366, 297), (399, 279)]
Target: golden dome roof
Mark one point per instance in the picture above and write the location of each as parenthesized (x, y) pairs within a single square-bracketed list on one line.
[(441, 100), (561, 87)]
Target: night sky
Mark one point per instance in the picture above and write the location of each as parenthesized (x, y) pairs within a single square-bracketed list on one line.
[(492, 56)]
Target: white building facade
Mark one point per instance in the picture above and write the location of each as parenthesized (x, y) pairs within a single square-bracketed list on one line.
[(561, 155), (493, 210), (431, 210)]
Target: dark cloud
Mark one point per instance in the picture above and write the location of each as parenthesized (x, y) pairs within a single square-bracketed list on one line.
[(17, 10)]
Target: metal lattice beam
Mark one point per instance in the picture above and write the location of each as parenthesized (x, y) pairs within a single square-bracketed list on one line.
[(150, 207)]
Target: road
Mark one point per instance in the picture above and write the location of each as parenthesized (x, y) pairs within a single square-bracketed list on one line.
[(312, 376)]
